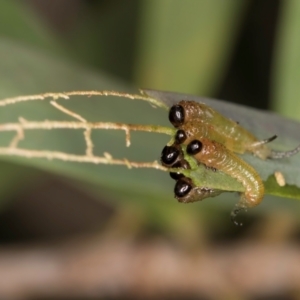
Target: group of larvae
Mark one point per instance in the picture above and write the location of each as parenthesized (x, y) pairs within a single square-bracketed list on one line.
[(215, 141)]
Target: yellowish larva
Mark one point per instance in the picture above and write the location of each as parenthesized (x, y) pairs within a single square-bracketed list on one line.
[(216, 155), (198, 119)]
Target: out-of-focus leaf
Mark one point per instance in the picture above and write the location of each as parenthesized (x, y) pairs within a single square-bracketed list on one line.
[(14, 179), (18, 22), (103, 36), (286, 73), (263, 125), (184, 45)]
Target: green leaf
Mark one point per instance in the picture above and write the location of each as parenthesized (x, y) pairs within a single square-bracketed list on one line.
[(28, 71), (140, 186), (18, 22)]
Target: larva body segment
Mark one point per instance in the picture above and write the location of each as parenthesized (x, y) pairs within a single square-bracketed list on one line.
[(202, 121), (215, 155)]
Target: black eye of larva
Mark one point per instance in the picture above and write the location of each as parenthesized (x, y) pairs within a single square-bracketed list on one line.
[(182, 188), (176, 115), (180, 136), (194, 147), (169, 155)]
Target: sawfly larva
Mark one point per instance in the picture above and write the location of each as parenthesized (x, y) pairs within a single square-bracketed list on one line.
[(216, 155), (197, 119)]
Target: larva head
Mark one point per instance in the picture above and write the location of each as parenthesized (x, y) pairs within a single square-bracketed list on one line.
[(194, 110), (182, 188), (170, 155), (210, 153), (183, 164), (186, 192), (176, 115), (186, 111)]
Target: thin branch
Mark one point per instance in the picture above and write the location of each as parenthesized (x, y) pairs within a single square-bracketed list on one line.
[(67, 111), (48, 125), (88, 140), (87, 133), (17, 138), (106, 159), (88, 126), (66, 95)]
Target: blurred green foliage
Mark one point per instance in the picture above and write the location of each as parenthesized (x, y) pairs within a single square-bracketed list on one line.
[(286, 70)]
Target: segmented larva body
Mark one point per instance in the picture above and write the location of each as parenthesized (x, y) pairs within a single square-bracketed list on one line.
[(215, 155), (202, 121)]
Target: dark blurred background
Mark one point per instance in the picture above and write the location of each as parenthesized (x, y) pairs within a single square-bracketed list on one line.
[(107, 35), (59, 240)]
